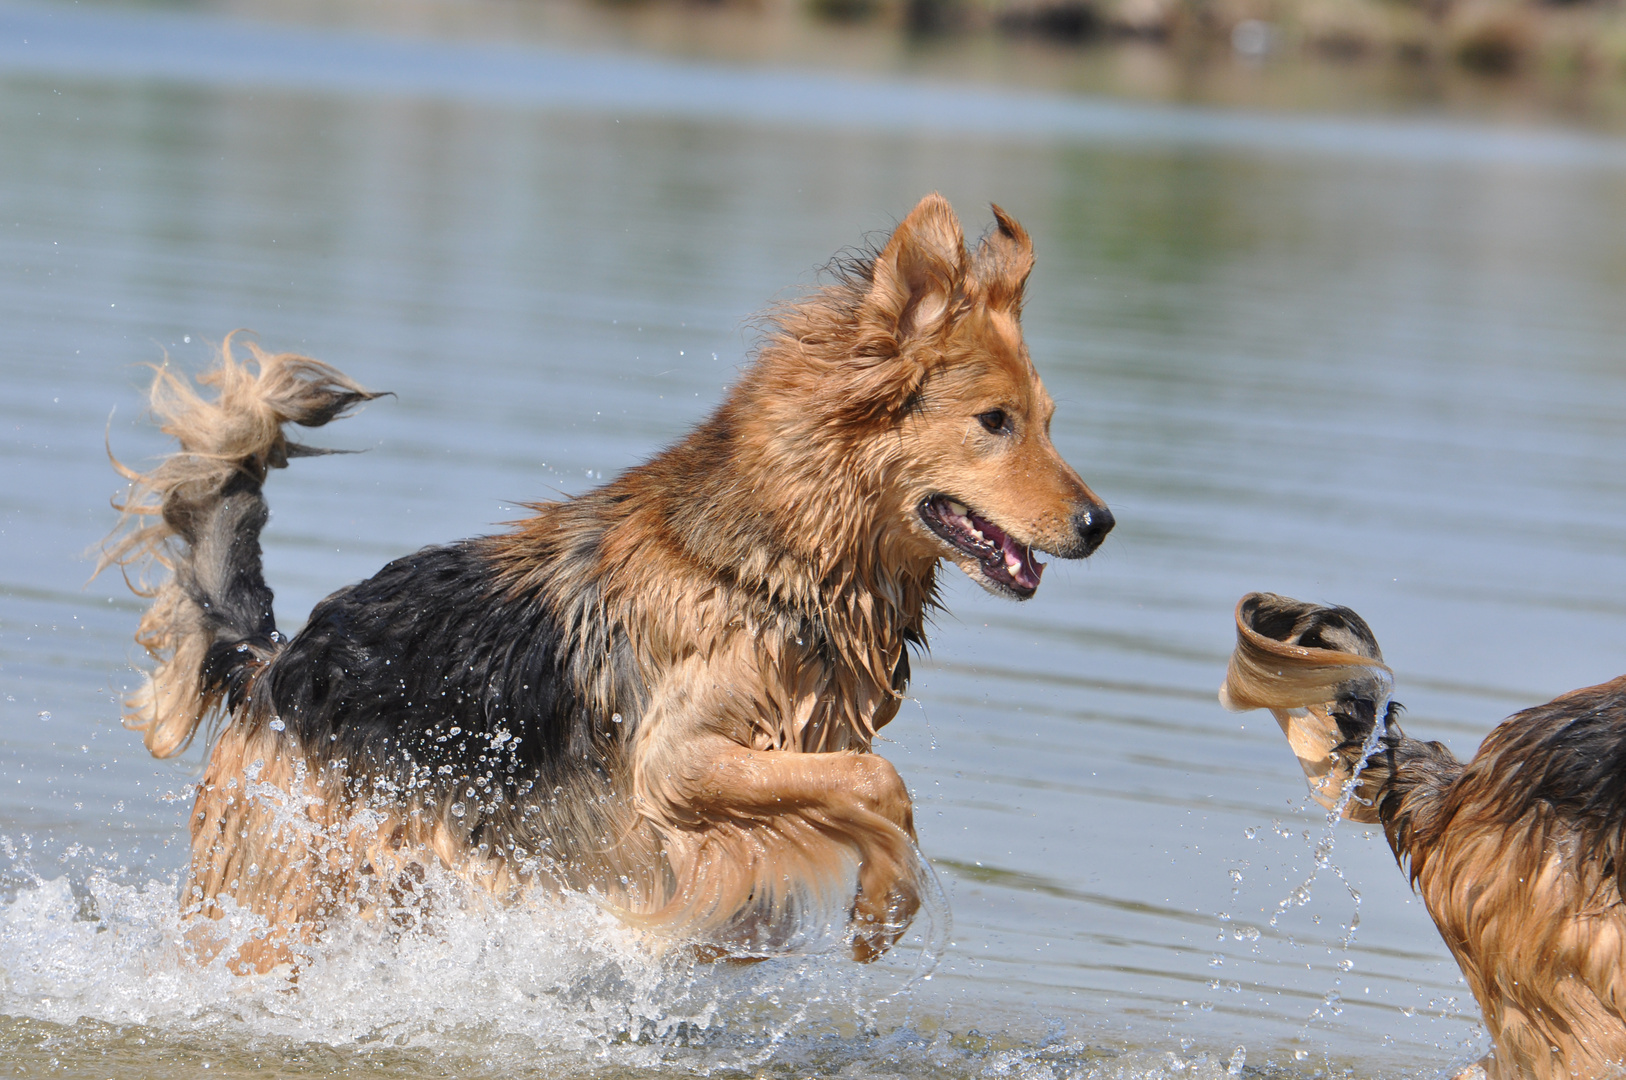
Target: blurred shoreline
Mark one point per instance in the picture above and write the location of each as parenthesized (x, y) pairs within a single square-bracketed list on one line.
[(1489, 60)]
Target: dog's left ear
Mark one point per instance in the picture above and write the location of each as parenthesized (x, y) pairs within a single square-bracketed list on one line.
[(1004, 261), (919, 279)]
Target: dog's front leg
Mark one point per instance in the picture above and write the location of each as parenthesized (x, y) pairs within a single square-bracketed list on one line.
[(856, 797), (751, 825)]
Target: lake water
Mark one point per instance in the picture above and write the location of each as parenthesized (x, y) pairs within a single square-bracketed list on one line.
[(1379, 363)]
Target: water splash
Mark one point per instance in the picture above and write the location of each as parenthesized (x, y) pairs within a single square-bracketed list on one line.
[(1301, 894), (95, 969), (549, 978), (1322, 853)]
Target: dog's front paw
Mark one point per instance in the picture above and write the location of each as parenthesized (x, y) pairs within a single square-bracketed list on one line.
[(888, 893), (880, 919), (882, 791)]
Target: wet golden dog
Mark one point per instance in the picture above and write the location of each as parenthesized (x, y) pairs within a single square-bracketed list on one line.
[(1519, 855), (663, 691)]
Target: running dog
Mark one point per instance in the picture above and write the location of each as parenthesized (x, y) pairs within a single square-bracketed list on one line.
[(1519, 854), (662, 692)]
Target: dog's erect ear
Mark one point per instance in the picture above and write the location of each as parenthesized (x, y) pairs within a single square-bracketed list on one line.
[(919, 276), (1004, 260)]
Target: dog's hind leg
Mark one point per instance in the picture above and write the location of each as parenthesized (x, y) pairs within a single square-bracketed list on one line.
[(262, 845), (753, 834), (284, 842)]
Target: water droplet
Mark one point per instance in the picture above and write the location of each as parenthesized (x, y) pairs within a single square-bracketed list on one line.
[(1250, 832), (277, 724), (615, 718), (457, 809), (45, 714), (1345, 965)]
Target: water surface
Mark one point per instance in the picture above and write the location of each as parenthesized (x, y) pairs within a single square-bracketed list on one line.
[(1365, 362)]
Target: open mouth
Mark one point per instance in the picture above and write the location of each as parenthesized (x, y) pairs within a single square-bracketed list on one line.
[(1002, 560)]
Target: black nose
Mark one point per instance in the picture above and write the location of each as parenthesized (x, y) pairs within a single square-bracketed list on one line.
[(1093, 523)]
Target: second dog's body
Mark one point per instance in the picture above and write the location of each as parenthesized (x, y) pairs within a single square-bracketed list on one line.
[(1517, 854), (665, 690)]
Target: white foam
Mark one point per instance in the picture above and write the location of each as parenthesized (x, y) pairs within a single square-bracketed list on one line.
[(550, 985), (550, 976)]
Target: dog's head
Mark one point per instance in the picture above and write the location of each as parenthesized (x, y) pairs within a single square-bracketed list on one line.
[(976, 477), (904, 420)]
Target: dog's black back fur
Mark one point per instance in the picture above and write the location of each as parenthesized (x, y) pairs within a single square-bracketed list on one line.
[(433, 678), (1568, 757)]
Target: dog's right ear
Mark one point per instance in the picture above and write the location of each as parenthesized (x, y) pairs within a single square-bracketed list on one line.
[(918, 281), (1004, 261)]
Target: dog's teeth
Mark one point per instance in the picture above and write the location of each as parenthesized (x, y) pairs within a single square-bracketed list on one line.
[(956, 508), (1013, 564)]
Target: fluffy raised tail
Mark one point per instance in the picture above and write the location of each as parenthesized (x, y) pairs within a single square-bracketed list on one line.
[(1320, 673), (198, 514)]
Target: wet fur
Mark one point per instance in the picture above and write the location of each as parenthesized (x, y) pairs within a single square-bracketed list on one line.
[(663, 691), (1518, 855)]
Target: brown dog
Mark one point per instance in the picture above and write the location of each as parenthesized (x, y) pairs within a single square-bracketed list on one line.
[(664, 690), (1519, 854)]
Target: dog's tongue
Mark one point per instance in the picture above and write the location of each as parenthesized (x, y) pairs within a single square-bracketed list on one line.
[(1020, 563)]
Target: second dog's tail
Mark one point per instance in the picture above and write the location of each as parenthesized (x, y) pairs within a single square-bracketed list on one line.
[(198, 514), (1320, 673)]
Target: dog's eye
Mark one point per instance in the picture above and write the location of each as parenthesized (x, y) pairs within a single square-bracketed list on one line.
[(994, 420)]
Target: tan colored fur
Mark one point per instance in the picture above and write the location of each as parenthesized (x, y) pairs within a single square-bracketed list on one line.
[(1535, 921)]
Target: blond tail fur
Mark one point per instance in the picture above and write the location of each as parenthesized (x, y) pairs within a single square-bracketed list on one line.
[(198, 515), (1320, 673)]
